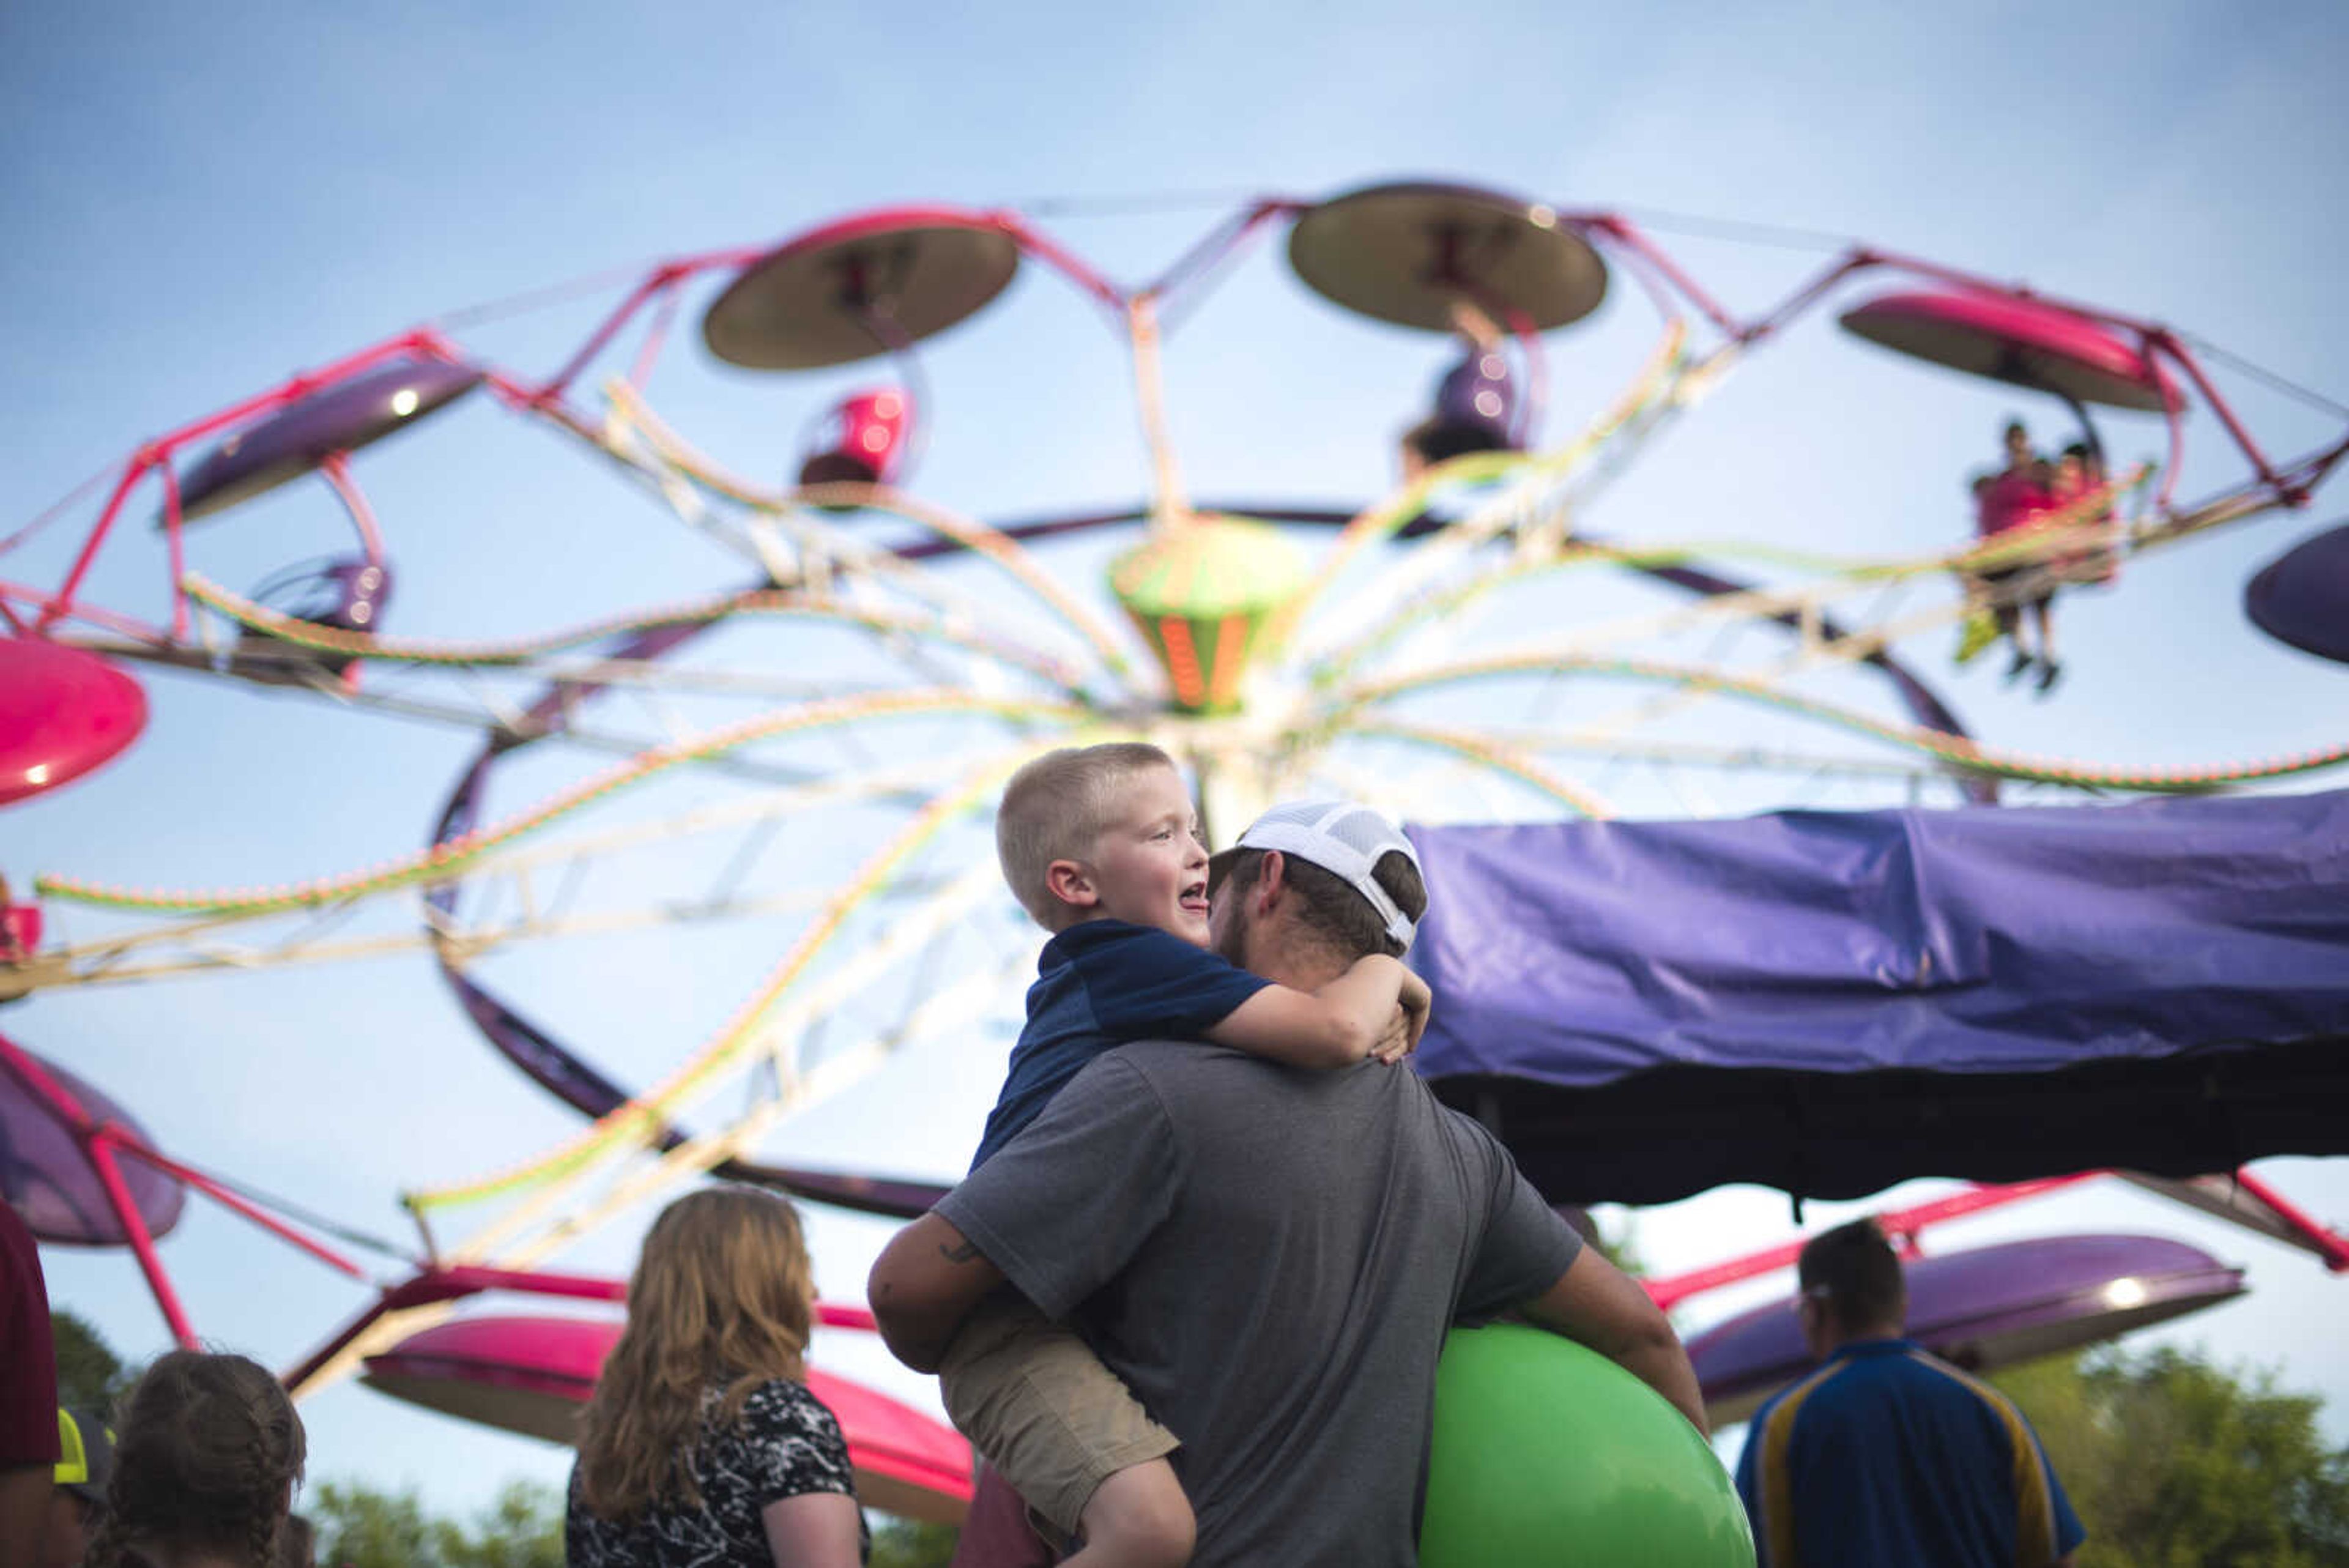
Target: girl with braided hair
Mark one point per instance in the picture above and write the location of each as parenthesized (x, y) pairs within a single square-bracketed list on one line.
[(206, 1456), (702, 1445)]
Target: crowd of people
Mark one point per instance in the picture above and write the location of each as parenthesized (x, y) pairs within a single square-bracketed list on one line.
[(196, 1469), (1187, 1306)]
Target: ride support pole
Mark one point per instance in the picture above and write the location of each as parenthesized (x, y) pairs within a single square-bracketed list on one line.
[(235, 1203), (100, 1148), (2331, 1243), (1167, 505), (2161, 338), (172, 524), (1904, 1224), (131, 474), (1652, 256)]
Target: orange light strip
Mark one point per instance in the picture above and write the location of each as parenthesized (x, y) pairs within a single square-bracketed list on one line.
[(1182, 660), (1231, 658)]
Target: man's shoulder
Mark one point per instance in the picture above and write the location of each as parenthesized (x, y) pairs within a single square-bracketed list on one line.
[(1168, 1054), (1763, 1412), (1921, 1370), (1201, 1059), (1196, 1078), (1891, 1375), (1823, 1390), (1177, 1065), (1906, 1364)]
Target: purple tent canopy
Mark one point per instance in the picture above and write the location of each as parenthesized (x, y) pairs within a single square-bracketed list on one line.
[(45, 1177), (1983, 1309), (1831, 1003)]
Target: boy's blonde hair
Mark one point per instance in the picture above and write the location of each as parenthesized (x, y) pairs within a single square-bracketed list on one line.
[(1054, 808)]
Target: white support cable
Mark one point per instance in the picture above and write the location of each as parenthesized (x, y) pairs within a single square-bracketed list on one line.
[(1727, 757), (865, 965), (1548, 485), (100, 961), (464, 942), (854, 554)]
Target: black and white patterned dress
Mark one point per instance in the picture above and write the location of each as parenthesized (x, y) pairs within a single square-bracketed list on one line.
[(786, 1445)]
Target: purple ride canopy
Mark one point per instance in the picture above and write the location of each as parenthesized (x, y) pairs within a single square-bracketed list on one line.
[(1830, 1003)]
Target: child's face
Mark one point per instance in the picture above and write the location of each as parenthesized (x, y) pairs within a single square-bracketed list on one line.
[(1148, 866)]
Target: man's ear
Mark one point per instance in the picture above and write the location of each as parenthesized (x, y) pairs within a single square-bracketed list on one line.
[(1072, 882), (1816, 1314), (1271, 882)]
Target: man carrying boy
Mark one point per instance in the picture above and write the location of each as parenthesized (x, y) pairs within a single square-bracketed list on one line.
[(1270, 1258), (1101, 845)]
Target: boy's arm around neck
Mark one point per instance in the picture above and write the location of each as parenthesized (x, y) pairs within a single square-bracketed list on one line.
[(1345, 1021)]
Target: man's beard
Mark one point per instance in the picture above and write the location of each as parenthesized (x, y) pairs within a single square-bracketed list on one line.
[(1233, 942)]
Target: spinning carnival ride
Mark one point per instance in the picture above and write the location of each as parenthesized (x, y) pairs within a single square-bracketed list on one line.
[(827, 735)]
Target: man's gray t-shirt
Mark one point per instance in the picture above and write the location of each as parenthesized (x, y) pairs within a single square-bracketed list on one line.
[(1269, 1257)]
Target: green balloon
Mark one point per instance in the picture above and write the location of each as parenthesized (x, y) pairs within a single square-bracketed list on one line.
[(1546, 1452)]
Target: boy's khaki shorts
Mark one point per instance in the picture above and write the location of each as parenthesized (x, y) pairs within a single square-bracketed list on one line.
[(1042, 1410)]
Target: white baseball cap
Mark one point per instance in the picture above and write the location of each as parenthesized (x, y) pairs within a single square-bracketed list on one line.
[(1343, 837)]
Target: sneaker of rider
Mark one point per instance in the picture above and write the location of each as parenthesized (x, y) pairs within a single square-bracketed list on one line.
[(2050, 672), (2022, 661)]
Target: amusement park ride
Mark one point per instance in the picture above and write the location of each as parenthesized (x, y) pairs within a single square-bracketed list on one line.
[(853, 707)]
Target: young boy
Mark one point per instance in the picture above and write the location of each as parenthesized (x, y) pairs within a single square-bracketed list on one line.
[(1100, 846)]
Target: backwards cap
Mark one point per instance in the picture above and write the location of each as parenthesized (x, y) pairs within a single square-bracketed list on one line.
[(1344, 838), (85, 1452)]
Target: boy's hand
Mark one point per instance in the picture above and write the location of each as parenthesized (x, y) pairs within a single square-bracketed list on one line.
[(1409, 1022)]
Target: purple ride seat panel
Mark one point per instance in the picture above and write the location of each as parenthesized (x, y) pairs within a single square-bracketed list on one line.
[(1959, 942), (47, 1179)]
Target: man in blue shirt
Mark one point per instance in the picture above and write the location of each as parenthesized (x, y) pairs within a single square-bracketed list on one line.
[(1887, 1454)]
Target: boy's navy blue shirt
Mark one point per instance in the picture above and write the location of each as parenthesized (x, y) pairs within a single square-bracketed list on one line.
[(1101, 983), (1888, 1454)]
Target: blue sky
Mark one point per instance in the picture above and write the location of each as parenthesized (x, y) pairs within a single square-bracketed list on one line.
[(201, 202)]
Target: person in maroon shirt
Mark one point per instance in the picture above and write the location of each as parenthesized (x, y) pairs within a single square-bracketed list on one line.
[(28, 1394), (2019, 495)]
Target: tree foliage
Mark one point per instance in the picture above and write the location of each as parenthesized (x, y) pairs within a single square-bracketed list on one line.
[(1620, 1246), (902, 1543), (89, 1372), (2171, 1461), (362, 1527)]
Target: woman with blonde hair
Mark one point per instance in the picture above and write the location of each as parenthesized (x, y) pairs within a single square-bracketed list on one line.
[(702, 1444), (207, 1451)]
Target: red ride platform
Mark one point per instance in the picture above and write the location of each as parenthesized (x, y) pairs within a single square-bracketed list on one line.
[(64, 712), (2019, 341), (533, 1375)]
